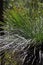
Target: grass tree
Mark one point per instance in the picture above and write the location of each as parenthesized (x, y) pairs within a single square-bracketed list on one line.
[(28, 21)]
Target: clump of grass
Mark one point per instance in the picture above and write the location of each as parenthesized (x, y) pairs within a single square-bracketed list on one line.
[(28, 22)]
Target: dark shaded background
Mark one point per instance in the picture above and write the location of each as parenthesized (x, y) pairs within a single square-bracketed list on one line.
[(1, 16)]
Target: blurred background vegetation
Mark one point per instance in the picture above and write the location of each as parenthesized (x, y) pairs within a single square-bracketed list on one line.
[(24, 17)]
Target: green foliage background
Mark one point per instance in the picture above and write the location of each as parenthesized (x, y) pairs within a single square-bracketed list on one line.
[(25, 16)]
